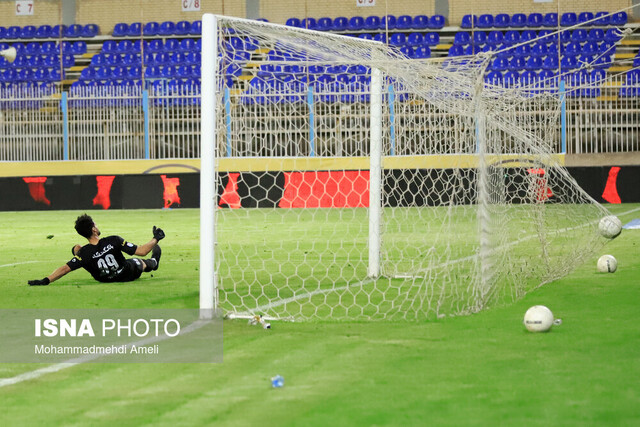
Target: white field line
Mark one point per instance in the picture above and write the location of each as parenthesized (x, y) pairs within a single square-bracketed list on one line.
[(262, 308), (18, 263), (30, 375)]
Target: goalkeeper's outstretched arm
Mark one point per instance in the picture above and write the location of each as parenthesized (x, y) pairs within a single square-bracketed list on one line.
[(57, 273), (158, 235)]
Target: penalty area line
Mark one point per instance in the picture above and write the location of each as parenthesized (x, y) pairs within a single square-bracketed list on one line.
[(57, 367), (18, 263)]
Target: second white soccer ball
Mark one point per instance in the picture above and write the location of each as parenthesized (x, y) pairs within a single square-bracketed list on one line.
[(610, 226), (538, 319), (607, 264)]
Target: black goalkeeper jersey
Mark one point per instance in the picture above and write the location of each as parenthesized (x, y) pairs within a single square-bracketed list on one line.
[(104, 261)]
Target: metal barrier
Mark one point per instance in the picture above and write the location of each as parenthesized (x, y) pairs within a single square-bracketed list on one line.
[(101, 123)]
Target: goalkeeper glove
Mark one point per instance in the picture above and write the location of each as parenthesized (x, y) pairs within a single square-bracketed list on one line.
[(41, 282), (158, 233)]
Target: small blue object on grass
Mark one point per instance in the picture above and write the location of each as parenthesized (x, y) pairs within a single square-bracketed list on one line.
[(277, 381), (634, 224)]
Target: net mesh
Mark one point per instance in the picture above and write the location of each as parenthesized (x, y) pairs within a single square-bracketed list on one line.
[(477, 208)]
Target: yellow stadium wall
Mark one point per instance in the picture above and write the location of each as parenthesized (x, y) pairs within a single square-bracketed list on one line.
[(44, 12), (106, 13)]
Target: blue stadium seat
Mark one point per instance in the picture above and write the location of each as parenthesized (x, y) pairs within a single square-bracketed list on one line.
[(511, 37), (135, 29), (48, 48), (517, 64), (187, 45), (171, 45), (469, 21), (527, 35), (579, 35), (535, 20), (569, 62), (456, 50), (595, 35), (120, 29), (167, 28), (124, 46), (432, 39), (156, 46), (13, 32), (41, 75), (112, 59), (309, 23), (170, 72), (356, 23), (370, 22), (73, 31), (494, 78), (407, 51), (365, 36), (153, 72), (550, 20), (340, 24), (603, 18), (603, 61), (196, 28), (151, 29), (404, 22), (422, 52), (585, 17), (612, 35), (28, 32), (590, 48), (293, 22), (134, 72), (479, 37), (182, 28), (420, 22), (550, 63), (485, 21), (43, 32), (522, 51), (325, 24), (380, 37), (397, 39), (528, 77), (178, 58), (437, 22), (388, 22), (511, 78), (571, 49), (32, 48), (502, 20), (98, 60), (118, 73), (539, 50), (461, 38), (495, 37), (534, 63), (35, 61), (110, 46), (90, 30), (565, 36), (415, 39), (633, 77), (162, 58), (9, 75), (568, 19), (88, 73), (518, 20), (607, 48), (500, 64), (3, 32), (552, 50), (619, 19), (79, 47), (131, 59)]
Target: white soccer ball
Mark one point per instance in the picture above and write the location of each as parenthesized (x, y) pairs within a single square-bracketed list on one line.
[(610, 226), (607, 264), (538, 319)]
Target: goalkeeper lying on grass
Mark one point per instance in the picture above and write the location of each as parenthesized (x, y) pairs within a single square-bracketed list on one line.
[(103, 258)]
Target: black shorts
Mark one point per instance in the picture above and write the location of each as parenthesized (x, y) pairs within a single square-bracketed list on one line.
[(131, 270)]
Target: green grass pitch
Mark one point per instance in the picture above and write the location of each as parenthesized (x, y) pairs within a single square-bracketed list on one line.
[(483, 369)]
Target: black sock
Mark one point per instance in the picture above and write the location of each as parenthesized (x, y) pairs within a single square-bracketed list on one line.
[(151, 263)]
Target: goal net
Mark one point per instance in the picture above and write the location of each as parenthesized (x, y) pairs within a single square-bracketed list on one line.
[(351, 182)]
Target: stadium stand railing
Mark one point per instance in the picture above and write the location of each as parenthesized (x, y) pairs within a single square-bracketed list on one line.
[(157, 65)]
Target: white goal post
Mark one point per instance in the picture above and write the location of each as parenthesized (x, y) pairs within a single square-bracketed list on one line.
[(342, 180)]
